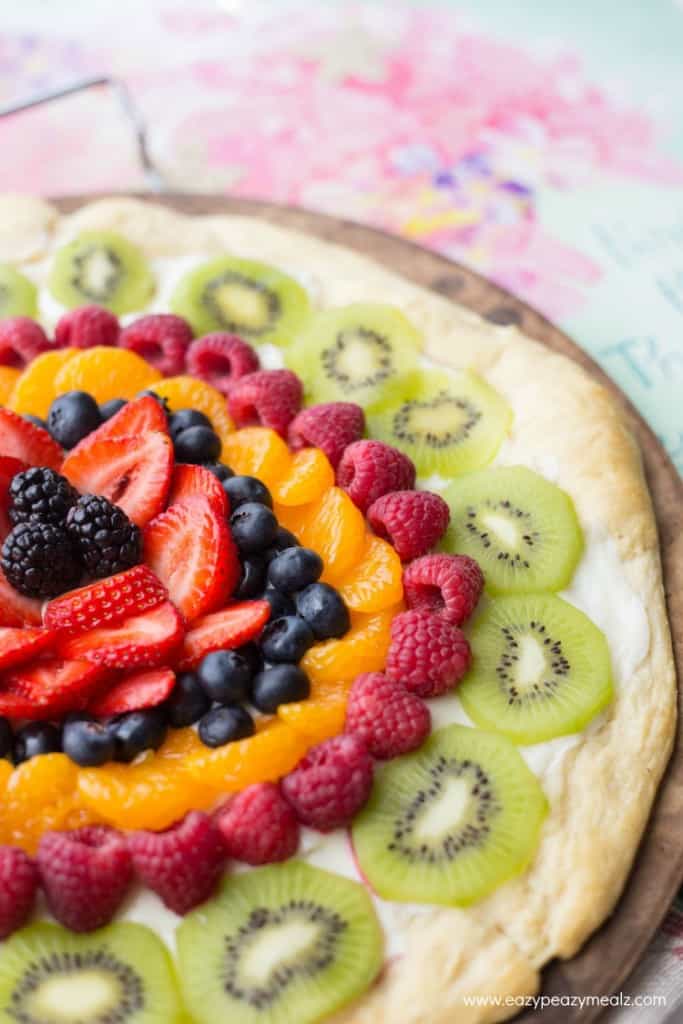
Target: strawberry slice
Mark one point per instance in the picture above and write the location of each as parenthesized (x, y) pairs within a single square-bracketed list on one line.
[(51, 686), (134, 472), (14, 707), (135, 692), (9, 468), (197, 481), (24, 440), (17, 645), (141, 416), (15, 609), (228, 628), (106, 602), (190, 548), (141, 641)]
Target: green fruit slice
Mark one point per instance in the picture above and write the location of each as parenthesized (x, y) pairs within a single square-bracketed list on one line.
[(540, 669), (18, 295), (450, 822), (104, 268), (522, 530), (282, 944), (244, 297)]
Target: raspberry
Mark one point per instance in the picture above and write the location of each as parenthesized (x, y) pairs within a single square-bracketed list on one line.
[(160, 338), (21, 340), (388, 719), (221, 359), (267, 398), (182, 864), (86, 327), (413, 521), (369, 469), (331, 783), (18, 885), (446, 585), (259, 826), (332, 427), (427, 654), (85, 874)]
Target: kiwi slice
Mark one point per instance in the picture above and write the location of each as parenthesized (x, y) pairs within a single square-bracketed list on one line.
[(541, 669), (354, 352), (450, 822), (251, 299), (280, 944), (120, 974), (104, 268), (447, 424), (18, 295), (522, 530)]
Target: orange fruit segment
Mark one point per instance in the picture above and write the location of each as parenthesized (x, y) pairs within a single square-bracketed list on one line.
[(259, 452), (363, 649), (185, 392), (272, 752), (376, 581), (8, 379), (106, 373), (322, 715), (308, 477), (333, 527), (35, 389)]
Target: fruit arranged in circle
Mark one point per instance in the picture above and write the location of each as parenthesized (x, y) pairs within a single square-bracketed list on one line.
[(306, 479), (257, 452), (18, 295), (363, 649), (8, 381), (332, 526), (106, 373), (104, 268), (188, 393), (375, 582), (35, 390)]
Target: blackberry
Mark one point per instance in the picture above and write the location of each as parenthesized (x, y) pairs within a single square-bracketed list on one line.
[(38, 559), (40, 493), (103, 535)]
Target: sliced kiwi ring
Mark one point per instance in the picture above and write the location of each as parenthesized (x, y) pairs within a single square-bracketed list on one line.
[(18, 295), (103, 268)]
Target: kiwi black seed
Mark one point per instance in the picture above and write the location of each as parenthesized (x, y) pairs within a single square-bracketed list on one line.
[(18, 295), (104, 268)]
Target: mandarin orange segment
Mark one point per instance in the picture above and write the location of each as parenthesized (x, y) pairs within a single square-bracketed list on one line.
[(35, 389), (376, 581), (363, 649), (259, 452), (333, 527), (185, 392), (265, 757), (41, 794), (309, 476), (8, 379), (106, 373), (5, 775), (322, 715)]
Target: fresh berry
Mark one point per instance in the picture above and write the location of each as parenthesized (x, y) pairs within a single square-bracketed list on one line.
[(253, 576), (86, 327), (219, 470), (133, 471), (286, 639), (390, 720), (243, 489), (369, 469), (6, 740), (283, 539), (133, 419), (221, 360), (15, 609), (230, 628), (427, 654), (86, 874), (193, 481), (190, 549), (446, 585), (225, 725), (331, 783), (134, 692), (27, 442), (183, 419), (253, 527), (225, 676), (9, 469), (137, 731), (18, 886), (141, 641), (182, 864), (197, 444), (103, 536), (107, 602), (332, 427), (86, 742), (279, 684), (294, 568), (110, 408), (161, 339), (413, 521), (40, 493), (324, 611), (258, 825), (35, 420), (266, 398), (21, 340), (72, 417), (39, 560), (36, 739), (20, 645), (188, 702), (53, 686), (280, 604)]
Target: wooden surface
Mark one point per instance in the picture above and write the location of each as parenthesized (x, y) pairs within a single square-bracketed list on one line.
[(610, 955)]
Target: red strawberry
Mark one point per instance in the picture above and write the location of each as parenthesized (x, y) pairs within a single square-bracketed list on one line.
[(134, 472), (267, 398), (9, 468), (17, 645), (191, 550), (15, 609), (24, 440), (51, 686), (193, 481), (136, 418), (141, 641), (106, 602), (18, 887), (85, 327), (135, 692), (221, 359), (332, 426), (229, 628), (21, 340), (161, 339)]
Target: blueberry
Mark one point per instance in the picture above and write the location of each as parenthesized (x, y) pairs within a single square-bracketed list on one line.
[(6, 739), (188, 702), (283, 539), (110, 408), (279, 684), (87, 742), (138, 731), (324, 610), (253, 578), (280, 604), (185, 418), (241, 489), (219, 470), (252, 654), (223, 725), (294, 568), (72, 417), (253, 527), (34, 739), (36, 420), (197, 444), (286, 639), (225, 676)]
